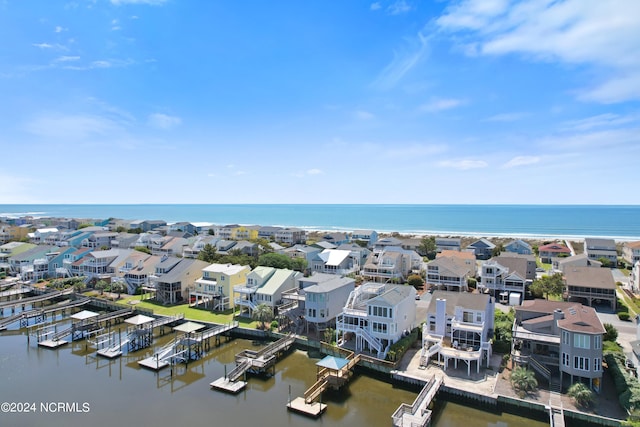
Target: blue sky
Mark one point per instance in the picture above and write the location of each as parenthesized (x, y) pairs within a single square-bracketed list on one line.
[(399, 101)]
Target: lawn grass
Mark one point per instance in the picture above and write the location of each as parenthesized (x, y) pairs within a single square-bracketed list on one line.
[(189, 313), (625, 271)]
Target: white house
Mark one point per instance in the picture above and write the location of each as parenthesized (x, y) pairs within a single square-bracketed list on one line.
[(264, 285), (457, 328), (333, 261), (377, 315)]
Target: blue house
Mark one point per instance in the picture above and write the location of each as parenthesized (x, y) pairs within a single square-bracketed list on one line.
[(483, 248), (519, 247)]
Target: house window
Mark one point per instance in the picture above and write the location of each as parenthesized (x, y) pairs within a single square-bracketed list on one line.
[(478, 317), (581, 363), (565, 337), (311, 312), (597, 342), (467, 317), (380, 327), (597, 365), (581, 341), (391, 313), (565, 359)]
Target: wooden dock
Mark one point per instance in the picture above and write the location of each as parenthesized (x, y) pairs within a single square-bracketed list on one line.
[(418, 413), (40, 314), (313, 410), (556, 411), (256, 362)]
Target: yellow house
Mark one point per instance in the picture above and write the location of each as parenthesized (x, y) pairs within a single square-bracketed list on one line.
[(244, 233), (14, 233), (215, 288)]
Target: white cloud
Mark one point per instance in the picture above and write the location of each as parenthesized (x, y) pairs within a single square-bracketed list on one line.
[(59, 29), (56, 46), (72, 127), (375, 6), (601, 120), (413, 151), (314, 172), (521, 161), (308, 172), (398, 7), (584, 32), (506, 117), (403, 62), (442, 104), (463, 164), (363, 115), (164, 121), (603, 140), (65, 58)]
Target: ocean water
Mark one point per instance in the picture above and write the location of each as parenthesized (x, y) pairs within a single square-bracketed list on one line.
[(621, 222)]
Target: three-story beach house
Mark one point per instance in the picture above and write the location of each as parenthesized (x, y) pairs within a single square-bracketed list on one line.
[(215, 288)]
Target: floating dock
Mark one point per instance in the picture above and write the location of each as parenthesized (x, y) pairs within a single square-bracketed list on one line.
[(300, 406)]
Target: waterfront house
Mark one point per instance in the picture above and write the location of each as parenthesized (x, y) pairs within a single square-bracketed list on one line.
[(54, 261), (582, 260), (324, 296), (183, 226), (504, 277), (197, 244), (525, 265), (387, 241), (322, 245), (412, 244), (552, 250), (483, 248), (452, 273), (375, 316), (458, 327), (69, 261), (23, 262), (631, 252), (448, 244), (12, 233), (171, 285), (147, 224), (215, 288), (598, 249), (333, 261), (101, 265), (137, 269), (518, 246), (368, 236), (264, 285), (290, 236), (391, 263), (226, 231), (558, 339), (305, 252), (268, 232), (336, 238), (634, 278), (590, 285), (40, 234)]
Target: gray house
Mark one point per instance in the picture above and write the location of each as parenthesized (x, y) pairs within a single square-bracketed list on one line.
[(601, 248), (559, 340), (483, 248)]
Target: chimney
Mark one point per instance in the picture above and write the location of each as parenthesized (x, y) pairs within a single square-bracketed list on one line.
[(557, 315), (441, 316)]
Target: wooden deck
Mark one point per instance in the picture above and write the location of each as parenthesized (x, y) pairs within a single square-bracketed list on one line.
[(313, 410), (53, 343), (225, 384), (418, 413)]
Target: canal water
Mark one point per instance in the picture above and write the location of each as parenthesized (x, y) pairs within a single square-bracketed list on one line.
[(71, 387)]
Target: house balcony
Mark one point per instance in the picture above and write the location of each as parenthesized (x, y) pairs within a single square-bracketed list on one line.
[(438, 280), (243, 289), (354, 312), (467, 326)]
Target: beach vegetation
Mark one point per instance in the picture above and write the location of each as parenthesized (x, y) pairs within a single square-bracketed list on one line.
[(627, 385), (84, 225), (263, 314), (399, 348), (611, 333), (416, 281), (100, 286), (548, 285), (136, 230), (143, 249), (121, 229), (523, 380), (361, 243), (209, 254), (275, 260), (497, 250), (428, 247), (274, 325), (582, 394), (118, 287), (606, 263), (503, 323)]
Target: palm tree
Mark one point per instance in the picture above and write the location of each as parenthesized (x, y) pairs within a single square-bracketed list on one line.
[(118, 287), (582, 394), (523, 380), (101, 285), (263, 314)]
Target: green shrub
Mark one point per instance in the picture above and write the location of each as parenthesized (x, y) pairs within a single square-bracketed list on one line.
[(398, 349), (623, 315), (627, 386)]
